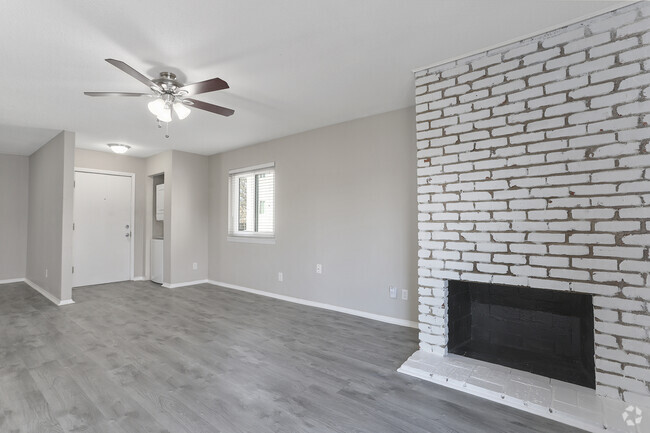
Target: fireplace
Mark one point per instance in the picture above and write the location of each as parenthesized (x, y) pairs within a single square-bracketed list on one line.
[(546, 332)]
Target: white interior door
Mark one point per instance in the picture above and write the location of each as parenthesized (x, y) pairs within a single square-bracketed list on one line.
[(102, 228)]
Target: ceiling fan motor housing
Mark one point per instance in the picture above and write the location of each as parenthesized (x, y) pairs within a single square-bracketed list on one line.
[(167, 81)]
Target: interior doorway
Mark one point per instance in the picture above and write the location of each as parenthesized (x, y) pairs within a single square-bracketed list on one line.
[(103, 227)]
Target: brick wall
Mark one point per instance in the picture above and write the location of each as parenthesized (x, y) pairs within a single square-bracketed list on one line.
[(534, 170)]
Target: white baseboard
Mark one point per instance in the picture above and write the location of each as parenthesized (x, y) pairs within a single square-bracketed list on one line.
[(48, 295), (378, 317), (12, 280), (138, 279), (185, 284)]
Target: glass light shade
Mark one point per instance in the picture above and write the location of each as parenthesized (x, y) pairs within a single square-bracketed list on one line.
[(156, 106), (181, 110), (165, 115), (119, 148)]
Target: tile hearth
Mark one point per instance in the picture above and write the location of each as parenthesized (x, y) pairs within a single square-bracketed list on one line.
[(564, 402)]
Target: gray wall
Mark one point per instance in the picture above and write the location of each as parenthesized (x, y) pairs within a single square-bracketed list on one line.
[(14, 192), (122, 163), (345, 198), (189, 221), (49, 234)]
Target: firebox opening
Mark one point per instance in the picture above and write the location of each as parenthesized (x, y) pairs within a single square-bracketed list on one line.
[(545, 332)]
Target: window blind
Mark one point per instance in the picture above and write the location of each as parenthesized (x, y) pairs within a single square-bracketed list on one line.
[(252, 201)]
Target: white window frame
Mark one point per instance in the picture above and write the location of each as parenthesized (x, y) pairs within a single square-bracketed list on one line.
[(250, 237)]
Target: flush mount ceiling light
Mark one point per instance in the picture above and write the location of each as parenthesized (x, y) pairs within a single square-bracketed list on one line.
[(119, 148)]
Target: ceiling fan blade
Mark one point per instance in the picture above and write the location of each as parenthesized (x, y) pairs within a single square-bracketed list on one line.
[(210, 107), (115, 94), (205, 86), (132, 72)]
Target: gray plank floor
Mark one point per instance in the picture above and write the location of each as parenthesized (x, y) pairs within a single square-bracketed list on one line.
[(135, 357)]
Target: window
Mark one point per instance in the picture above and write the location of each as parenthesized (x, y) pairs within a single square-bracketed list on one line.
[(252, 201)]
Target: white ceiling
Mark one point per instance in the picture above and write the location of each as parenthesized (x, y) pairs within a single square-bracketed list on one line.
[(292, 65)]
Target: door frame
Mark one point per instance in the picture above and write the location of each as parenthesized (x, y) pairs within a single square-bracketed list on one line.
[(123, 174)]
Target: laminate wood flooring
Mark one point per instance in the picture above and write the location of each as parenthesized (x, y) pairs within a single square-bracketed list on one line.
[(135, 357)]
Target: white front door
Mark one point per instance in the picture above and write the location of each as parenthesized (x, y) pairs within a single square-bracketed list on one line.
[(102, 228)]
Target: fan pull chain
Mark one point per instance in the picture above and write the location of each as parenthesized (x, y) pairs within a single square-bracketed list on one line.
[(167, 130)]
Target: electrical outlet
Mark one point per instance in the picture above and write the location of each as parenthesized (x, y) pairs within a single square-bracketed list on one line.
[(195, 266), (319, 268), (392, 292), (46, 273), (280, 277), (405, 294)]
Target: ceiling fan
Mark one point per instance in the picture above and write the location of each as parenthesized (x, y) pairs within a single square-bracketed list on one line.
[(170, 94)]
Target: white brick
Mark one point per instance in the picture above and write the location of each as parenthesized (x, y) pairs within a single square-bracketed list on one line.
[(591, 66), (613, 73), (615, 98), (640, 107), (569, 274), (509, 108), (564, 37), (613, 47), (528, 248), (591, 238), (640, 239), (587, 42), (636, 81), (503, 67), (486, 61), (564, 61), (590, 116), (520, 50), (529, 271), (490, 102), (541, 56), (549, 261), (471, 76), (632, 55), (556, 99), (613, 124), (604, 264), (508, 87), (556, 75), (585, 92), (455, 71), (571, 107), (526, 94), (617, 175), (613, 22), (617, 226), (509, 258), (639, 26), (491, 268), (488, 82)]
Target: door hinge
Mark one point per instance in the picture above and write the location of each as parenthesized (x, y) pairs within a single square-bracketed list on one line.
[(72, 226), (73, 269)]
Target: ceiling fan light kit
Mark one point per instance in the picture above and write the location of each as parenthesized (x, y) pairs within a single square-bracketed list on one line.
[(170, 94)]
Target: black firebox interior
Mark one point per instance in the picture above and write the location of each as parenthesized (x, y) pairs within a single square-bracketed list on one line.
[(545, 332)]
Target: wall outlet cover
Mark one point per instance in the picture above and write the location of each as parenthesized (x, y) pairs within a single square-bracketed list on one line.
[(319, 268), (392, 292), (280, 277), (405, 294)]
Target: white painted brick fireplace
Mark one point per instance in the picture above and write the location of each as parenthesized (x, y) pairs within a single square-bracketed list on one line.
[(534, 170)]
